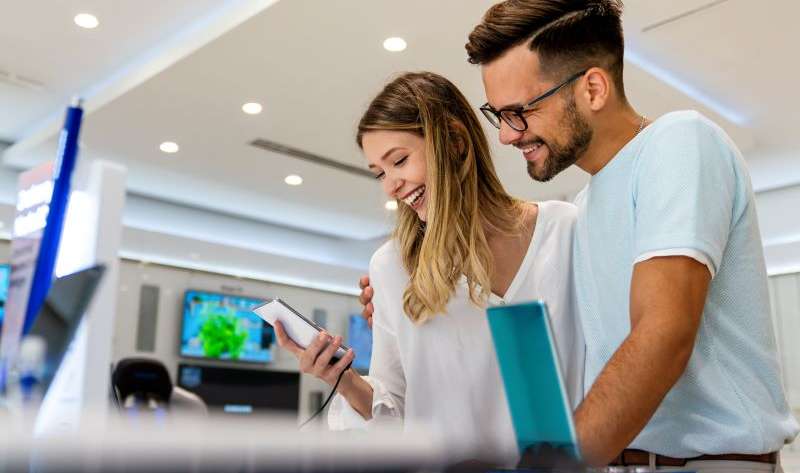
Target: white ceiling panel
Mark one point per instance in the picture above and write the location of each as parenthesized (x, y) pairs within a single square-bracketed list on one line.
[(315, 64), (40, 42), (737, 54)]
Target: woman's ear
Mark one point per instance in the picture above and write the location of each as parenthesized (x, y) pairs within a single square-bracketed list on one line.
[(459, 137), (461, 146)]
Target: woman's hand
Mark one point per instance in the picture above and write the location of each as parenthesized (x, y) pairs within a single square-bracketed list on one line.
[(316, 358)]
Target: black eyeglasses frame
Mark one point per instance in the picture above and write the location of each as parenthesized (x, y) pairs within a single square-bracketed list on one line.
[(494, 116)]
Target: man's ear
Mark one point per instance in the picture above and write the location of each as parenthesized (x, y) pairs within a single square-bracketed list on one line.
[(597, 88)]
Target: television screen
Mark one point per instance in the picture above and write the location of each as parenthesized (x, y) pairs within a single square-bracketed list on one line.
[(5, 273), (222, 327), (360, 340), (241, 391)]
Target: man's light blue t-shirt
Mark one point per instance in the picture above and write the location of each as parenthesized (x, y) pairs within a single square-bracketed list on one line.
[(681, 184)]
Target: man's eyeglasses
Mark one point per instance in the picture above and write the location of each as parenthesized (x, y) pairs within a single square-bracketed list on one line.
[(515, 116)]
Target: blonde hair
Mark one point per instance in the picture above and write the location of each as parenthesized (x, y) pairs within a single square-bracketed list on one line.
[(465, 197)]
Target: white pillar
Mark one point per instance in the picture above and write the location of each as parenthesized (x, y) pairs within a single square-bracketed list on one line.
[(91, 236)]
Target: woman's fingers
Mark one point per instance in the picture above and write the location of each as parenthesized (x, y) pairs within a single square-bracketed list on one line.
[(324, 359), (366, 295), (316, 358), (363, 282), (310, 354), (342, 364), (365, 299), (284, 341), (335, 370)]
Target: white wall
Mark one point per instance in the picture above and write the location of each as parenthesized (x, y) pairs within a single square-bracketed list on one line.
[(779, 219), (780, 231), (173, 282), (785, 301)]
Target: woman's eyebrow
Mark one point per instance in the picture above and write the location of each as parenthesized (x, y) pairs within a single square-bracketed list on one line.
[(392, 150), (385, 155)]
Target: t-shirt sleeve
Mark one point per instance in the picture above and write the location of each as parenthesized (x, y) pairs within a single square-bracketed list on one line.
[(684, 187), (698, 256)]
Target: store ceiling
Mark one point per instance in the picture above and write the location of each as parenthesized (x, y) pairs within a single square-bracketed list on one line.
[(45, 59), (181, 70)]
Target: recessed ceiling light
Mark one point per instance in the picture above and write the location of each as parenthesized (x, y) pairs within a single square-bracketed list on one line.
[(293, 180), (86, 20), (252, 108), (391, 205), (169, 147), (394, 44)]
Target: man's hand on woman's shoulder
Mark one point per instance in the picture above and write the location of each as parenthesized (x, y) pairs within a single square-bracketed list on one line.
[(366, 298)]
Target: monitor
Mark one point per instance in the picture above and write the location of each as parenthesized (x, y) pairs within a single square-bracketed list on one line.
[(529, 365), (5, 274), (222, 327), (241, 390), (61, 314), (360, 340)]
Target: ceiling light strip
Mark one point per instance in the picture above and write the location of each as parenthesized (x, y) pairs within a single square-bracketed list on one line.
[(679, 16), (239, 273), (310, 157), (672, 79)]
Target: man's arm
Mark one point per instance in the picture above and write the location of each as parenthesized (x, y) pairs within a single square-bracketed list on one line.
[(667, 298)]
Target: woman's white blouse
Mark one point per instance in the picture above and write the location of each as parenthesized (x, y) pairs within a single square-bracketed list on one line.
[(443, 374)]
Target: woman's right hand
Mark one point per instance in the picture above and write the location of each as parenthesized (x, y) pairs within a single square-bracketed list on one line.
[(316, 358)]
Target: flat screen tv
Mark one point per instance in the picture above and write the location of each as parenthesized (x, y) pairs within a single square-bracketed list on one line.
[(360, 340), (5, 274), (240, 390), (222, 327)]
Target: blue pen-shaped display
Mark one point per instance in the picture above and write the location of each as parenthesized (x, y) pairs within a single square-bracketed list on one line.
[(62, 180)]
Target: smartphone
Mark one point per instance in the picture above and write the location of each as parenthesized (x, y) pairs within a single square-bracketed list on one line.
[(299, 328)]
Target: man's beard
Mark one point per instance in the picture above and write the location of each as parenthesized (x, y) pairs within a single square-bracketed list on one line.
[(562, 157)]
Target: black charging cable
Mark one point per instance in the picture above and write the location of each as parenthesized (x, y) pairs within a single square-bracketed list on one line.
[(330, 396)]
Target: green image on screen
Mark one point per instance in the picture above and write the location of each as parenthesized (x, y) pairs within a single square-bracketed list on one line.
[(220, 326)]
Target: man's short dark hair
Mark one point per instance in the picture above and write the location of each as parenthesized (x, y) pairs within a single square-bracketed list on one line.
[(567, 35)]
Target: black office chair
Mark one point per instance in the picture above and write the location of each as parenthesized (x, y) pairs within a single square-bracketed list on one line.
[(143, 384)]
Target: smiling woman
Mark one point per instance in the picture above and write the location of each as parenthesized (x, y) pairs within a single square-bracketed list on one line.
[(461, 243), (425, 143), (398, 160)]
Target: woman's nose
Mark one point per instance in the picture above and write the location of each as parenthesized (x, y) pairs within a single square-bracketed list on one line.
[(392, 186)]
